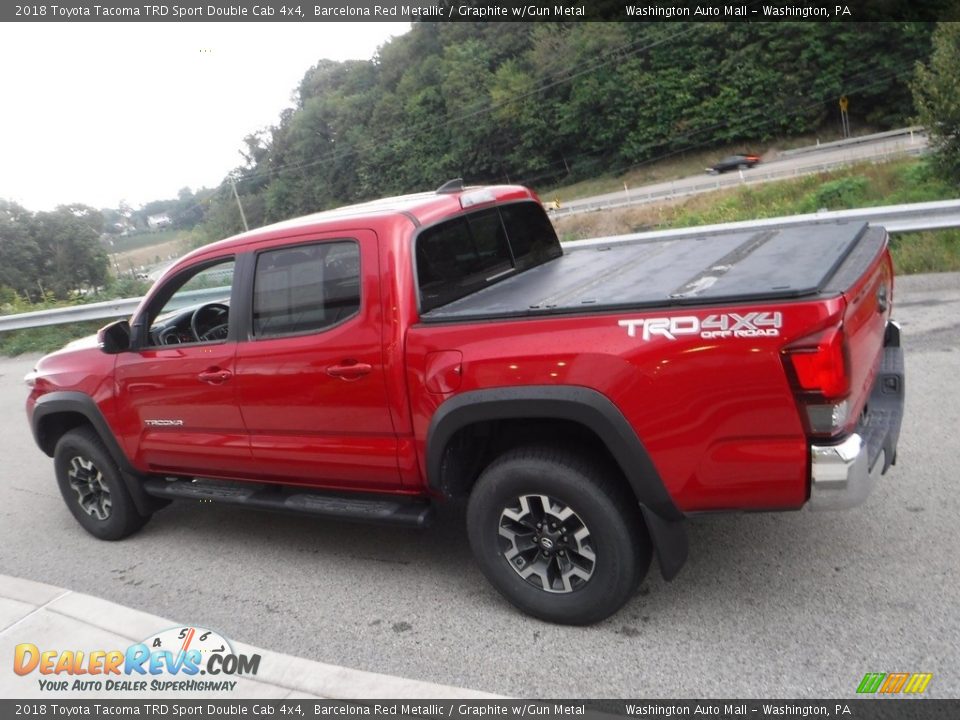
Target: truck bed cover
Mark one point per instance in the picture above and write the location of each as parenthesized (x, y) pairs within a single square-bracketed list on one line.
[(713, 269)]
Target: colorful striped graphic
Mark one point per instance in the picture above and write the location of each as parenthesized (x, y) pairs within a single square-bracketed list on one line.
[(893, 683), (918, 682)]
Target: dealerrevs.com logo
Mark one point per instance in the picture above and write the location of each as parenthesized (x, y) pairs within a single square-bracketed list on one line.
[(175, 660)]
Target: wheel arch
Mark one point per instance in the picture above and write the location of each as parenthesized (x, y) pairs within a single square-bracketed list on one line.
[(570, 406), (57, 413)]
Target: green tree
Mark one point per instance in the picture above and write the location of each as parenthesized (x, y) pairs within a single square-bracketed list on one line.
[(936, 92), (72, 257), (188, 209), (541, 102), (55, 252), (20, 256)]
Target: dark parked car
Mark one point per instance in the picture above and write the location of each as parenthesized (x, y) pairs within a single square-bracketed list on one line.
[(734, 162)]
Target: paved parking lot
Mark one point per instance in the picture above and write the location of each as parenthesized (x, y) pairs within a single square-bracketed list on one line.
[(788, 605)]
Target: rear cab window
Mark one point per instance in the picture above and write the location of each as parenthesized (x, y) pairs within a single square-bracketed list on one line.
[(458, 257)]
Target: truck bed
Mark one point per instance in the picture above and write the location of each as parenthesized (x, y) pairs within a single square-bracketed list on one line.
[(768, 264)]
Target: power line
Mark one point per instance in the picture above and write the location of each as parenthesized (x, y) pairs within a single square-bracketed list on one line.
[(426, 127), (616, 54), (628, 166)]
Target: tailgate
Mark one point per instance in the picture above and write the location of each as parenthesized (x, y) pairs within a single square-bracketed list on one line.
[(869, 305), (845, 467)]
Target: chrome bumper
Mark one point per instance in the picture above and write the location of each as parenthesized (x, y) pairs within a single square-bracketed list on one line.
[(841, 476)]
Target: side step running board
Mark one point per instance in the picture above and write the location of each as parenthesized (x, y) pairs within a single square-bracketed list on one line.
[(354, 508)]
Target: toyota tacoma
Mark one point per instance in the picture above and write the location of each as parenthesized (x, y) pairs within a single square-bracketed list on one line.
[(370, 362)]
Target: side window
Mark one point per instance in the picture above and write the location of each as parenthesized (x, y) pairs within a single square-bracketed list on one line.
[(194, 307), (532, 237), (306, 288)]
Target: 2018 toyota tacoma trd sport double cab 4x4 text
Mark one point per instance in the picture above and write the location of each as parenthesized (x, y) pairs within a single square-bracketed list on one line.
[(368, 362)]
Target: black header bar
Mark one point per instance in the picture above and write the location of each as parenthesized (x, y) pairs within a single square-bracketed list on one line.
[(483, 11)]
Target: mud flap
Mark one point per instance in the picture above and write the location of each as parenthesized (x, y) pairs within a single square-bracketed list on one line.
[(670, 541)]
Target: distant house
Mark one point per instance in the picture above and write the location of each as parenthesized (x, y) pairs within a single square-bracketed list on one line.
[(158, 221)]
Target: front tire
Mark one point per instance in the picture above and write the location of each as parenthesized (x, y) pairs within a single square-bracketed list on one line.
[(558, 535), (92, 487)]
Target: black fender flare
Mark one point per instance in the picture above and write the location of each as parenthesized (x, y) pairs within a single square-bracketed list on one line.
[(594, 411), (78, 403)]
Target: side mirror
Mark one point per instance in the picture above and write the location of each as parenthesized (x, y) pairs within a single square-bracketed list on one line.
[(115, 337)]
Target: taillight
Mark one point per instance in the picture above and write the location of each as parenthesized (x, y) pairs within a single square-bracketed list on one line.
[(818, 367), (820, 364)]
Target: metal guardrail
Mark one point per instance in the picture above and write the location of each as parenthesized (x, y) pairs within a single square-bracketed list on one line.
[(857, 140), (760, 174), (103, 310), (914, 217)]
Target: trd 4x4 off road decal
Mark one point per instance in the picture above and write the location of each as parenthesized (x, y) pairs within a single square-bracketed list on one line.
[(711, 327)]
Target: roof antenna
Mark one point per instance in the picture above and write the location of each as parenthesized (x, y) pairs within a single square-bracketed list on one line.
[(451, 186)]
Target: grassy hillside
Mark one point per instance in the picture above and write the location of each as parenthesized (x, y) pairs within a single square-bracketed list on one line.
[(865, 185), (682, 164)]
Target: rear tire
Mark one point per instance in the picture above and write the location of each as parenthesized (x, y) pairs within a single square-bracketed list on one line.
[(93, 488), (558, 535)]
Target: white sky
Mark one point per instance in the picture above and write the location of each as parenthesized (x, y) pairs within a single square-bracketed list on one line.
[(97, 113)]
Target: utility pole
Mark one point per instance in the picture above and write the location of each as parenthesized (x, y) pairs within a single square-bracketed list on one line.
[(242, 216)]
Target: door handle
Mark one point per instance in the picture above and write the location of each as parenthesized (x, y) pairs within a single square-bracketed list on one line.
[(214, 376), (349, 370)]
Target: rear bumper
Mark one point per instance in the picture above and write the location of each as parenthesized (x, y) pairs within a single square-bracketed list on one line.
[(843, 474)]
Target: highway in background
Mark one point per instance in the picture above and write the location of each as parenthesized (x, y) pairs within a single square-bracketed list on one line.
[(791, 163), (769, 605)]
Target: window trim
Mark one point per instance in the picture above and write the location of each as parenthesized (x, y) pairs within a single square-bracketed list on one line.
[(250, 286), (140, 334)]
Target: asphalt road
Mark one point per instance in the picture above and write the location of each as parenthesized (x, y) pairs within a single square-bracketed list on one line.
[(769, 605)]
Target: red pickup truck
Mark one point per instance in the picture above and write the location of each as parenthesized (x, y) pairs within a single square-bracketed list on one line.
[(368, 362)]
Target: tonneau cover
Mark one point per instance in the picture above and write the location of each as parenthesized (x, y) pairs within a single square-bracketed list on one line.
[(725, 267)]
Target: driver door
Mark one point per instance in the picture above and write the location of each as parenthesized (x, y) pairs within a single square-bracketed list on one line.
[(176, 387)]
